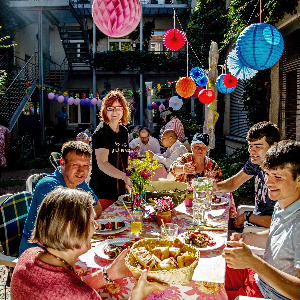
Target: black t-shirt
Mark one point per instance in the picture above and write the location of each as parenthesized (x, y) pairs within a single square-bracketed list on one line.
[(104, 186)]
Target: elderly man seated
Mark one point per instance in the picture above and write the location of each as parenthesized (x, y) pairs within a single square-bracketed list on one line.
[(190, 165), (175, 149), (277, 275), (145, 142)]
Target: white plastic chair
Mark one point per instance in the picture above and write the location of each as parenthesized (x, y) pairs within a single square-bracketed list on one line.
[(29, 183)]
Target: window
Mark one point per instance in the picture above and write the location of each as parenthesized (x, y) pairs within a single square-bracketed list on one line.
[(79, 114), (156, 44), (123, 44)]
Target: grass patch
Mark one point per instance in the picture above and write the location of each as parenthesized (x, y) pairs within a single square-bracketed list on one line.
[(12, 182)]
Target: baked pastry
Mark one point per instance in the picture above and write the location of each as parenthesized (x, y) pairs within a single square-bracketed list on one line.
[(161, 252), (168, 264), (185, 260), (178, 244), (174, 252), (145, 258)]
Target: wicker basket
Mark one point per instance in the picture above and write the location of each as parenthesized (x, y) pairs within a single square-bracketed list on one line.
[(174, 276)]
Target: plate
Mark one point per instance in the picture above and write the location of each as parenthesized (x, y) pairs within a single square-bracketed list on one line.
[(99, 249), (224, 200), (109, 231), (120, 198), (219, 240)]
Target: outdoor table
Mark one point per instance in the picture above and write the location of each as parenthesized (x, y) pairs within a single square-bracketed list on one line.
[(209, 276)]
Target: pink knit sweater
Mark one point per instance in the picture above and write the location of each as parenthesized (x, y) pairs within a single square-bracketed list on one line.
[(34, 279)]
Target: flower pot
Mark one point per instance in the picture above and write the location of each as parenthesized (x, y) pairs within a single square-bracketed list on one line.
[(165, 216)]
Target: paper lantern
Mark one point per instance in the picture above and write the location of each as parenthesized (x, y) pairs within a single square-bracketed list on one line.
[(185, 87), (82, 102), (207, 96), (237, 69), (60, 99), (202, 81), (259, 46), (99, 104), (66, 99), (158, 103), (229, 81), (175, 102), (149, 106), (71, 101), (154, 106), (161, 108), (197, 91), (174, 39), (50, 96), (77, 101), (221, 87), (196, 73), (166, 101), (55, 98), (116, 18), (94, 101), (87, 101)]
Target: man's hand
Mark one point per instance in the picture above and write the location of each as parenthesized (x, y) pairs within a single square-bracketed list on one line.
[(118, 269), (144, 287), (136, 148), (238, 257), (189, 169), (239, 220), (128, 182), (236, 236), (151, 154)]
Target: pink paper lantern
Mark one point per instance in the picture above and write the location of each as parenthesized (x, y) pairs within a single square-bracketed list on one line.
[(77, 101), (60, 99), (71, 101), (51, 96), (174, 39), (207, 96), (94, 101), (154, 106), (161, 108), (99, 103), (116, 18)]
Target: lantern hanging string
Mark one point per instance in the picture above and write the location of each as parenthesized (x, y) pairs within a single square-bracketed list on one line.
[(187, 58)]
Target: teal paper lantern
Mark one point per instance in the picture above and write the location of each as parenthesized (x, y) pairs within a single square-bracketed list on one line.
[(221, 87), (259, 46)]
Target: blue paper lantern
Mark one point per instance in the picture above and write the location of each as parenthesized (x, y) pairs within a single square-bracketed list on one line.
[(158, 103), (166, 101), (150, 106), (82, 102), (55, 98), (259, 46), (66, 99), (221, 87), (203, 81), (179, 96), (196, 73), (237, 69)]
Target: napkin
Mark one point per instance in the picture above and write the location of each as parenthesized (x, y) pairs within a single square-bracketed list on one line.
[(210, 269)]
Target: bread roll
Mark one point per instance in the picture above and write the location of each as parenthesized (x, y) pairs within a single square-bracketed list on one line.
[(168, 264), (174, 252), (161, 252)]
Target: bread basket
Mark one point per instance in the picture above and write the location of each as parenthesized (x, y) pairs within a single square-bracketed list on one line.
[(175, 276)]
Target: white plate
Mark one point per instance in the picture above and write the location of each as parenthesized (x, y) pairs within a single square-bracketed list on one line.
[(223, 201), (109, 231), (219, 240), (120, 198), (99, 249)]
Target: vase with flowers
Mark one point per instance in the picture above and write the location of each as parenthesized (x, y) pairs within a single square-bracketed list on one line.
[(140, 173), (163, 207)]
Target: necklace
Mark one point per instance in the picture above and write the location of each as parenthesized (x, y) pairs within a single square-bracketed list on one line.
[(62, 260)]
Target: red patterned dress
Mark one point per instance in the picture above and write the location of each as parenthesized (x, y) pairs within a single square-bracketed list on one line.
[(4, 143)]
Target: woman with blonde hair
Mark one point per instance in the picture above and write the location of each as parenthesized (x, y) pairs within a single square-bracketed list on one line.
[(64, 227), (111, 150)]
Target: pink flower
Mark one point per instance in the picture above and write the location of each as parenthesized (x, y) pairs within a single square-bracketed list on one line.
[(145, 174)]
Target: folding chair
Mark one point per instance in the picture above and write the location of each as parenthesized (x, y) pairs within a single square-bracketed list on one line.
[(33, 180), (54, 159), (13, 214)]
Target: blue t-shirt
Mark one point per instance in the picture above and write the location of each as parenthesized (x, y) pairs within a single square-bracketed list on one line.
[(43, 188), (63, 116), (263, 204)]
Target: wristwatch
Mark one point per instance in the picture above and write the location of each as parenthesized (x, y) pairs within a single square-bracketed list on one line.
[(248, 214)]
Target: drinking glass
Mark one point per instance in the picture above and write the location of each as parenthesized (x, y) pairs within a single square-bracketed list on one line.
[(169, 231), (198, 211), (136, 224)]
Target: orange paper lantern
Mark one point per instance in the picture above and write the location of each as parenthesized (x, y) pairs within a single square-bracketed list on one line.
[(185, 87)]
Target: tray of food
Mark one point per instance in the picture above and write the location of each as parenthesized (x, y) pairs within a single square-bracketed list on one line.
[(202, 240), (172, 262), (111, 226), (218, 200)]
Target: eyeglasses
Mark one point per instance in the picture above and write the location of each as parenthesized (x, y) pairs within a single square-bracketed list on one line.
[(117, 108)]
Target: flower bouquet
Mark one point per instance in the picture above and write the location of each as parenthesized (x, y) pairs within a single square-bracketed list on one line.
[(163, 207), (140, 173)]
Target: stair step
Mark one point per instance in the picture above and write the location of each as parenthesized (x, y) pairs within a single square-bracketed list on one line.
[(70, 28)]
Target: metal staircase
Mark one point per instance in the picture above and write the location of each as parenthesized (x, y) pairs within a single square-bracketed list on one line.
[(18, 93), (75, 42)]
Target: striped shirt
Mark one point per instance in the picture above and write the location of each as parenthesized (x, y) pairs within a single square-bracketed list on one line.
[(177, 126)]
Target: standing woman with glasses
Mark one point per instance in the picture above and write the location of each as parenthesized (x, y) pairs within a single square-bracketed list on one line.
[(111, 150)]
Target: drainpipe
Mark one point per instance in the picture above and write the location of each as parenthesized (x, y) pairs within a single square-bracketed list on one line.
[(141, 75), (94, 74), (41, 79)]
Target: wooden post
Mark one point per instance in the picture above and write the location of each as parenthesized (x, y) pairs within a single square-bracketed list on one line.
[(212, 77)]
